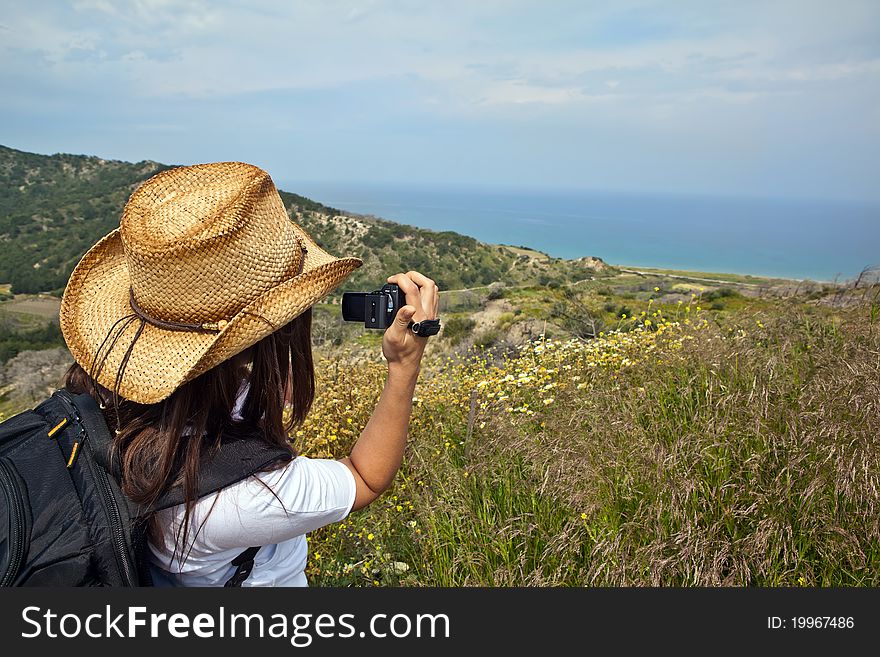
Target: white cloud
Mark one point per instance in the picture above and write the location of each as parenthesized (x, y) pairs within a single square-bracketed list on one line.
[(172, 48), (663, 72), (519, 92), (820, 72)]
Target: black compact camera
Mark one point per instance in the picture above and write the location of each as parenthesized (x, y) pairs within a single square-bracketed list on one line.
[(375, 309)]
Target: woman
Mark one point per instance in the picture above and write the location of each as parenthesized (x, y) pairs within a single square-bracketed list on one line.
[(190, 324)]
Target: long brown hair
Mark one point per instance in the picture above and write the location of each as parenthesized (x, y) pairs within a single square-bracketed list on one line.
[(149, 443)]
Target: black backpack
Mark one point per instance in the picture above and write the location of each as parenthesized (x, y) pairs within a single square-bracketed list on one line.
[(64, 520)]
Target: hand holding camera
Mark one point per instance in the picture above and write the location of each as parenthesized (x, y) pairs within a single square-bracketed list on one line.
[(406, 308)]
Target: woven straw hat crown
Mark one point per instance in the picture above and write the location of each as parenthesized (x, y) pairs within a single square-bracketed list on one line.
[(205, 262), (196, 242)]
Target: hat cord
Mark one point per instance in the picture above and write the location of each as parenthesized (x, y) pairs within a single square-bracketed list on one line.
[(202, 327), (94, 374)]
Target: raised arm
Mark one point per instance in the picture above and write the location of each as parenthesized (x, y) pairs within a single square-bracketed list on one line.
[(377, 454)]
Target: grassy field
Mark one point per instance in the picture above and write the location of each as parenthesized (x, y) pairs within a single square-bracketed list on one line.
[(705, 436), (744, 279), (30, 307), (687, 448), (28, 323)]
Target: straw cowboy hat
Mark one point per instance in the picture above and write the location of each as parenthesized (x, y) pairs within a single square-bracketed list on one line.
[(205, 263)]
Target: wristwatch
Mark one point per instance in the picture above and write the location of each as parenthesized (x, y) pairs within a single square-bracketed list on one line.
[(425, 327)]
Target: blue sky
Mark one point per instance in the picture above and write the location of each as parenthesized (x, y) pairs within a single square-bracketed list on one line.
[(747, 98)]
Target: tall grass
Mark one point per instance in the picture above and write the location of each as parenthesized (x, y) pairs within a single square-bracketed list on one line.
[(700, 454)]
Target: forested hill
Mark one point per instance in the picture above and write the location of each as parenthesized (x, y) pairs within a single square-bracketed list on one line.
[(54, 207)]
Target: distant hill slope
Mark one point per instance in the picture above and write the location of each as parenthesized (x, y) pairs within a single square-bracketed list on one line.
[(54, 207)]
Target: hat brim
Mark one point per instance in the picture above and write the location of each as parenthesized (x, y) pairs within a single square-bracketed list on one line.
[(97, 298)]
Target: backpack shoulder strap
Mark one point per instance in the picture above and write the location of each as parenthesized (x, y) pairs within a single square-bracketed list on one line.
[(237, 458)]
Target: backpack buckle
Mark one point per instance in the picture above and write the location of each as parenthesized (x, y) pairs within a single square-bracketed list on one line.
[(245, 564)]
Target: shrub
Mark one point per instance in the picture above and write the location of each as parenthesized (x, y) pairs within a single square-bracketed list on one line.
[(14, 341), (495, 292), (505, 320), (720, 293), (457, 327), (488, 339)]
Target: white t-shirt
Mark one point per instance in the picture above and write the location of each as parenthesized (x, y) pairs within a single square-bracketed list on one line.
[(312, 493)]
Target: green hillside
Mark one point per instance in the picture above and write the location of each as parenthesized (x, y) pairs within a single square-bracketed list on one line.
[(54, 207)]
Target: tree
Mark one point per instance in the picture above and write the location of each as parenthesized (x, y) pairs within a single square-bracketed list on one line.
[(575, 317)]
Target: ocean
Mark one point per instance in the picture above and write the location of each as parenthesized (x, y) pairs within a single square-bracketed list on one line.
[(804, 239)]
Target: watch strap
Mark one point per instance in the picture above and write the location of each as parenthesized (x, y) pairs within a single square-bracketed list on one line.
[(425, 327)]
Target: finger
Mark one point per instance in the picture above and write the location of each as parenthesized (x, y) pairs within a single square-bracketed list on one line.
[(420, 279), (430, 295), (402, 318), (429, 292), (410, 289), (403, 281)]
